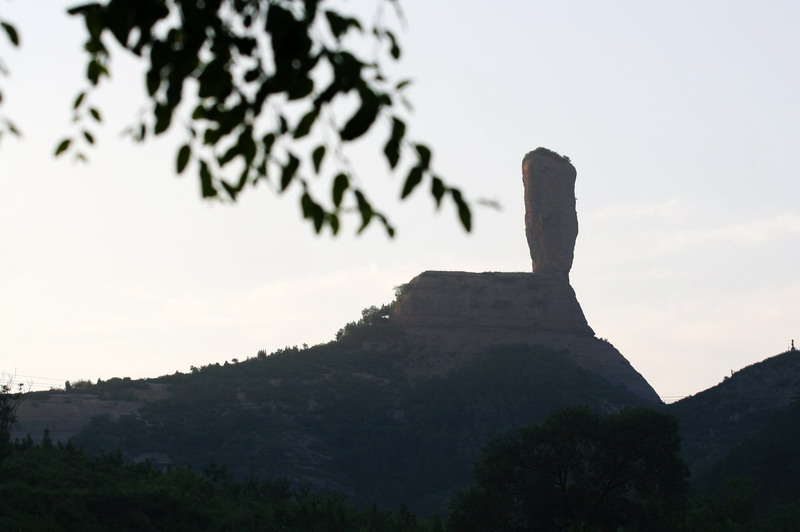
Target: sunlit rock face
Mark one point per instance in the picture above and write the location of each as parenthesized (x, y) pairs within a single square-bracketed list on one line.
[(551, 222), (493, 300), (461, 312)]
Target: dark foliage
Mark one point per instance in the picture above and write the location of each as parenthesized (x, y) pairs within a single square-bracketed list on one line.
[(715, 421), (254, 84), (579, 470), (376, 422), (59, 488), (759, 478), (10, 398)]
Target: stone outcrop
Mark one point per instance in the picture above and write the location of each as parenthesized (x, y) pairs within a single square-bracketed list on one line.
[(551, 222), (480, 301), (65, 414), (461, 358), (461, 313)]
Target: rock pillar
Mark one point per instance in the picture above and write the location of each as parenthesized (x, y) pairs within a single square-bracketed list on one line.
[(551, 222)]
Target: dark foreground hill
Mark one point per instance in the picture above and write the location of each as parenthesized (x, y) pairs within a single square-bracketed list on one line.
[(761, 474), (372, 415), (362, 422), (394, 411), (717, 420)]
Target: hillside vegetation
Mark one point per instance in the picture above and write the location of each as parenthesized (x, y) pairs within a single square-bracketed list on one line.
[(378, 417), (378, 420), (715, 421)]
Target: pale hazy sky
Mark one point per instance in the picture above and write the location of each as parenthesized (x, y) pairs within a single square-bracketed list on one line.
[(682, 119)]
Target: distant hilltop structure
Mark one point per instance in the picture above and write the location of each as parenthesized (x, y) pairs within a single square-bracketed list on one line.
[(464, 312)]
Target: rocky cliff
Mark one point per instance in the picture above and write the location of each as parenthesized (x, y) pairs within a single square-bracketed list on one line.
[(482, 301), (551, 222), (397, 409), (462, 313)]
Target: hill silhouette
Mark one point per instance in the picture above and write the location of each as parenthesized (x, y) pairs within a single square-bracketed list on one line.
[(365, 415), (715, 421), (395, 410)]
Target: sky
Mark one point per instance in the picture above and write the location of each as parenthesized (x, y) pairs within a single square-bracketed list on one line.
[(682, 119)]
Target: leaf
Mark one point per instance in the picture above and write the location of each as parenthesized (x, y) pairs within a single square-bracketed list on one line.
[(464, 213), (299, 88), (414, 178), (95, 114), (310, 7), (424, 154), (311, 209), (291, 43), (94, 71), (340, 184), (437, 190), (340, 25), (199, 112), (211, 136), (363, 119), (231, 190), (333, 221), (289, 171), (248, 145), (230, 155), (245, 45), (11, 31), (183, 158), (88, 136), (206, 181), (252, 75), (153, 81), (268, 141), (389, 228), (365, 209), (260, 169), (304, 127), (79, 100), (163, 114), (394, 48), (215, 80), (234, 190), (11, 127), (317, 156), (392, 148), (63, 146)]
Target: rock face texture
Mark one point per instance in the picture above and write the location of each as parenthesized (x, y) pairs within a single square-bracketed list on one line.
[(551, 222), (505, 301), (65, 414), (461, 313), (398, 406)]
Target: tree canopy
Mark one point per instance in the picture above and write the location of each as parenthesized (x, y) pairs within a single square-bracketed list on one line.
[(257, 85), (10, 398), (579, 470)]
